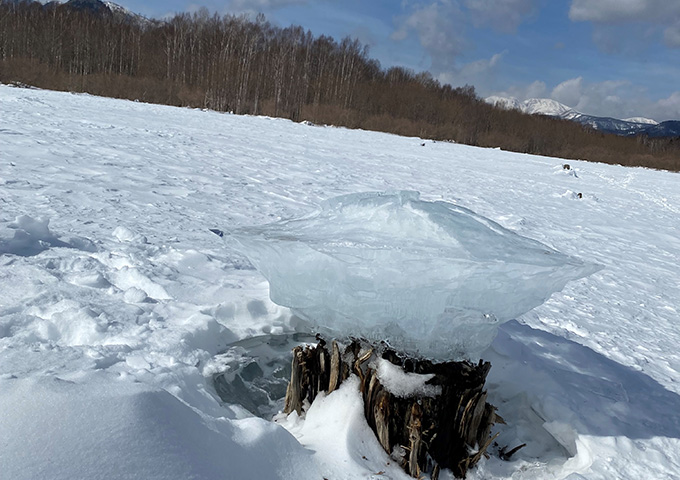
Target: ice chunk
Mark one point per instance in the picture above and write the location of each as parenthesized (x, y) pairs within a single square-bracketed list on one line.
[(429, 278)]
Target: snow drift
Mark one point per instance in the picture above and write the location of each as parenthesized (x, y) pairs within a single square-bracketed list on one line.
[(429, 278)]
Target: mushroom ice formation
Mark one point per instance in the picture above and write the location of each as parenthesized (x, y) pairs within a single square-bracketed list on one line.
[(431, 279)]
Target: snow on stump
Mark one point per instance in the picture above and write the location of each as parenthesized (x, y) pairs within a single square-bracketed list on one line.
[(425, 286)]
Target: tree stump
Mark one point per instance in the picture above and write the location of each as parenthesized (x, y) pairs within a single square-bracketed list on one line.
[(446, 425)]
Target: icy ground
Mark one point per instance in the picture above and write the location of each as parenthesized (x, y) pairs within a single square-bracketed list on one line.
[(114, 314)]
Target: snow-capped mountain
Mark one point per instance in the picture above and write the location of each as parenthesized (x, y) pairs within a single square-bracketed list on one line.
[(99, 7), (122, 12), (644, 120), (553, 108), (545, 106), (508, 103)]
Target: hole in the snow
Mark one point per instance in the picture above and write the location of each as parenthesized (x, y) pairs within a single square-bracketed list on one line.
[(254, 372)]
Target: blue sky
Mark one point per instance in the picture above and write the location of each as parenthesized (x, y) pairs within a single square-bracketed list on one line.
[(617, 58)]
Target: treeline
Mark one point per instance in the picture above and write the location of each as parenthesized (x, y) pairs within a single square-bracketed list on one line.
[(234, 64)]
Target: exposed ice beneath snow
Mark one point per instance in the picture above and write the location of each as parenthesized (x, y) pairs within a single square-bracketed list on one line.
[(254, 372), (430, 278)]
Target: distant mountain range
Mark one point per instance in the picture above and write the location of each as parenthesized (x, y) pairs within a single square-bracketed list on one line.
[(99, 7), (626, 127)]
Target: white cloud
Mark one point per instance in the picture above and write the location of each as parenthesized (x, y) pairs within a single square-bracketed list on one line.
[(606, 99), (537, 89), (569, 92), (481, 67), (613, 11), (668, 108), (501, 15), (260, 6), (264, 4), (479, 73), (439, 27), (627, 21), (672, 35)]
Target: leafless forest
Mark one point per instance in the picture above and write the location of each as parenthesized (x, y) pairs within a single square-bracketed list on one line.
[(247, 66)]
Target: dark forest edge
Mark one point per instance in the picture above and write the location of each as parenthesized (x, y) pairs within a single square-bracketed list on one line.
[(246, 66)]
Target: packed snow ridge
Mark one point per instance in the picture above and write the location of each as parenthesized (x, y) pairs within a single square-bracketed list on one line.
[(429, 278)]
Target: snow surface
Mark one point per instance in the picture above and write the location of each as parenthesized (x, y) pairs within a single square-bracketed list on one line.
[(113, 314), (429, 278), (403, 384), (545, 106), (508, 103), (643, 120)]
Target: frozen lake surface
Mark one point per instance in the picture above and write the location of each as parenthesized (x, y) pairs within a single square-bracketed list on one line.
[(118, 305)]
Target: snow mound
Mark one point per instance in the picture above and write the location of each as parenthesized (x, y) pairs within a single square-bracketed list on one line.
[(33, 236), (108, 428), (429, 278)]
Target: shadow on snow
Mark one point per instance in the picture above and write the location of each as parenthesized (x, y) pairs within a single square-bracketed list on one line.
[(572, 383)]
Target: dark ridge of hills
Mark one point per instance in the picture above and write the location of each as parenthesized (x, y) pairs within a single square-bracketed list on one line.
[(670, 128)]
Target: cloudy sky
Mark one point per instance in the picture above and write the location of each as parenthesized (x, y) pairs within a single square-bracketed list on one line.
[(618, 58)]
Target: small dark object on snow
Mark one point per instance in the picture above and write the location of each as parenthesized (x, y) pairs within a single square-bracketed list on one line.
[(506, 455), (449, 430), (422, 144), (579, 195), (566, 166), (217, 232)]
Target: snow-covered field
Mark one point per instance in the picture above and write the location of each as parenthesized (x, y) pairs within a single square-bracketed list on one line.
[(113, 316)]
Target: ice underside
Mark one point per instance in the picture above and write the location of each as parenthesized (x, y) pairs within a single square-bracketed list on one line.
[(429, 278)]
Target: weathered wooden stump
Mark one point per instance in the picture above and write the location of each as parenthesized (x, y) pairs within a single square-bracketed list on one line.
[(448, 425)]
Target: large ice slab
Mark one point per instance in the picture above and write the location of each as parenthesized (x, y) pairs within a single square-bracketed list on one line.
[(429, 278)]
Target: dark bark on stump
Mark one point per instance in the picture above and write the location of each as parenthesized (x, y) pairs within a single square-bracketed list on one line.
[(450, 430)]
